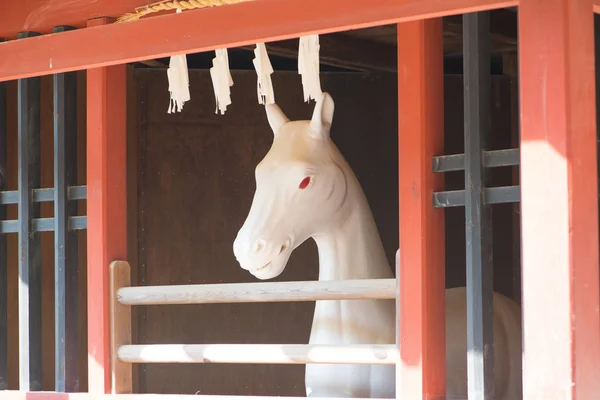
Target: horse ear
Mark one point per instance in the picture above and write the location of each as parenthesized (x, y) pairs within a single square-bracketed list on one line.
[(320, 124), (276, 117)]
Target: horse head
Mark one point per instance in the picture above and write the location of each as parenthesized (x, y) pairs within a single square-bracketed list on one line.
[(300, 191)]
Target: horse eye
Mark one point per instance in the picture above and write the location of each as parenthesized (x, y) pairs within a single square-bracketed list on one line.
[(304, 183)]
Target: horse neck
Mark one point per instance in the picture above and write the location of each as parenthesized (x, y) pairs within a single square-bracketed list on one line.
[(353, 249)]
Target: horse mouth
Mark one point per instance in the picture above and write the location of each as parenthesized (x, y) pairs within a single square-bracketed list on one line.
[(263, 267)]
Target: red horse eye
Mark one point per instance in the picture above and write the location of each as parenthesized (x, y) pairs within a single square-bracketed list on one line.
[(304, 183)]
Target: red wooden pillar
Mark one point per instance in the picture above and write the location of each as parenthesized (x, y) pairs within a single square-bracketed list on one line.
[(106, 205), (559, 200), (422, 370)]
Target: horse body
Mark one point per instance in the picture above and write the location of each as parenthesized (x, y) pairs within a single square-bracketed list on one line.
[(306, 189)]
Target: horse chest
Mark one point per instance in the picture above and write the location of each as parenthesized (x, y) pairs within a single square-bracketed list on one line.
[(353, 321)]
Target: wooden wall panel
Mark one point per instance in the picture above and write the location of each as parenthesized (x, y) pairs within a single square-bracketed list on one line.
[(196, 181)]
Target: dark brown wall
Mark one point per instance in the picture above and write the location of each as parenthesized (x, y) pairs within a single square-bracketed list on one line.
[(198, 168), (195, 185)]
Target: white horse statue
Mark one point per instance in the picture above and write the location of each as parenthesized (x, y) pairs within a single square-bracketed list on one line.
[(305, 189)]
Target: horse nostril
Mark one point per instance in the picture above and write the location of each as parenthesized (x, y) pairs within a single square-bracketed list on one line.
[(259, 245), (284, 246)]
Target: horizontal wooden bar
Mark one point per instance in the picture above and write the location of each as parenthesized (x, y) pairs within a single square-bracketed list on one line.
[(452, 162), (259, 353), (495, 195), (44, 195), (43, 224), (501, 158), (355, 289), (491, 159), (207, 29), (18, 395)]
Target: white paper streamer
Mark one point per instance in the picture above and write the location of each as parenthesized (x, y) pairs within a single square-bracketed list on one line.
[(221, 80), (262, 64), (308, 66), (178, 78)]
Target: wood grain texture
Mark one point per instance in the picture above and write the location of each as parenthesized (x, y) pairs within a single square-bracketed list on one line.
[(259, 354), (120, 328), (259, 292)]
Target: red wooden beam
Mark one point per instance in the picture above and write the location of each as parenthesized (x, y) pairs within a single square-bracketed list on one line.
[(207, 29), (43, 15), (422, 372), (559, 200), (106, 207)]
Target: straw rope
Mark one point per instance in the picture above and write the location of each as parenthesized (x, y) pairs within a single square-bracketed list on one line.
[(173, 5)]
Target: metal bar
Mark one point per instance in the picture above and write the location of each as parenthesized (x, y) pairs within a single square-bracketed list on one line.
[(493, 158), (495, 195), (3, 246), (44, 195), (65, 241), (30, 262), (478, 224), (44, 224)]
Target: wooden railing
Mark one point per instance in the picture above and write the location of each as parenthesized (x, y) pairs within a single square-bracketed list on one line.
[(124, 353)]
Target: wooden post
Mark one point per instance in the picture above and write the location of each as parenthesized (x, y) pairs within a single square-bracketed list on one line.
[(478, 214), (65, 240), (30, 249), (3, 243), (421, 373), (120, 329), (559, 200), (106, 206), (510, 67)]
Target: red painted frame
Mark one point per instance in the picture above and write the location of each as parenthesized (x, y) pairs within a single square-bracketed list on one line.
[(207, 29), (422, 373), (106, 206), (559, 185), (558, 131)]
